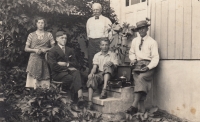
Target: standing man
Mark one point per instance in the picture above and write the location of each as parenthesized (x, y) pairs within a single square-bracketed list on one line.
[(144, 49), (64, 66), (97, 30)]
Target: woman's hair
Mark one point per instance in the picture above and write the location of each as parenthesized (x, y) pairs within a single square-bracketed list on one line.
[(40, 18)]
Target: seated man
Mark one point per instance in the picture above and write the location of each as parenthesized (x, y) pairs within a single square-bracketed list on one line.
[(143, 49), (63, 65), (104, 62)]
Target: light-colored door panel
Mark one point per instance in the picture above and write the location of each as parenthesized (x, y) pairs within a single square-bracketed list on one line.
[(134, 11)]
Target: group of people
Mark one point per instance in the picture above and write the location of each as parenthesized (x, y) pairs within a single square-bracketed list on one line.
[(102, 62)]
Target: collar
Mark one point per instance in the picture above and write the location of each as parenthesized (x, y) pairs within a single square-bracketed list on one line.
[(100, 16), (145, 38), (61, 46), (109, 52)]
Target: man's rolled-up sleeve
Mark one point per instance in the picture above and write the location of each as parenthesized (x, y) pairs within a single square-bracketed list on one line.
[(95, 60)]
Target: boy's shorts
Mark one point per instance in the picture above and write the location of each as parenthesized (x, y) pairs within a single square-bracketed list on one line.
[(98, 78)]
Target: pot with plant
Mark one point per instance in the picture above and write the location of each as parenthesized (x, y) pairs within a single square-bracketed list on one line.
[(119, 41)]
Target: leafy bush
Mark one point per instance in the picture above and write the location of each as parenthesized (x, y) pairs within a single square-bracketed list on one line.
[(17, 18), (17, 22), (85, 115), (12, 86), (9, 111), (45, 104), (153, 115), (12, 81)]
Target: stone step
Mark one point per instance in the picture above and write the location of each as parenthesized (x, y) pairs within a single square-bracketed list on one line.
[(100, 102), (123, 93), (118, 100), (118, 90)]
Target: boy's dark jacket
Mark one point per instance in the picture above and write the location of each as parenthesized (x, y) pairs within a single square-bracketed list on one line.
[(56, 54)]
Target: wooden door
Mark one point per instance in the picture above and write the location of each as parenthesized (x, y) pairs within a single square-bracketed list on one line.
[(133, 11)]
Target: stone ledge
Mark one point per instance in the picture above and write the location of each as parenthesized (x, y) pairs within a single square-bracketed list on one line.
[(119, 99), (114, 94), (102, 102), (98, 101), (119, 90)]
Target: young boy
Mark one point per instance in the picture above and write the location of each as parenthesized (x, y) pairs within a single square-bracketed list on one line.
[(104, 63)]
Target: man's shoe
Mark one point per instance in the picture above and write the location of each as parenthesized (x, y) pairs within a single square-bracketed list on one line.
[(80, 101), (75, 108), (63, 92), (90, 105), (103, 94), (132, 110)]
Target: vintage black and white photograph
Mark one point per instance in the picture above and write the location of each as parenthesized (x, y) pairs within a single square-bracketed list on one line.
[(99, 60)]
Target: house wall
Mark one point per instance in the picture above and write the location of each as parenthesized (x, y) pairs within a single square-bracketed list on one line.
[(116, 6), (175, 25), (176, 88)]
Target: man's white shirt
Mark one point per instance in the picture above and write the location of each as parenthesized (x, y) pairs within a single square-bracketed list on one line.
[(149, 50), (98, 28)]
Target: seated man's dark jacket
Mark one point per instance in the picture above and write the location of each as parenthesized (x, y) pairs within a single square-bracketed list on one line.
[(56, 55)]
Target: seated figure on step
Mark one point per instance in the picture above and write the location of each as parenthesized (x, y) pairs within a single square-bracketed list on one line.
[(104, 64), (144, 49)]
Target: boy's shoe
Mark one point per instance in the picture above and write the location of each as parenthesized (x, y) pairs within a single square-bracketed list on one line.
[(103, 94), (80, 101), (132, 110), (90, 105)]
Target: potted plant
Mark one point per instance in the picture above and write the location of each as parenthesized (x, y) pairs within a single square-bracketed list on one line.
[(119, 40)]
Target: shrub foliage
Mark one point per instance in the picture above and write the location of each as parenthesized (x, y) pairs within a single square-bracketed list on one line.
[(16, 22)]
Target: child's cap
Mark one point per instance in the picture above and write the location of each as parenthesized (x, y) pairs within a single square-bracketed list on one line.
[(60, 33)]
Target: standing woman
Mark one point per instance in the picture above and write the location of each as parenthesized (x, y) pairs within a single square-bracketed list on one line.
[(38, 43)]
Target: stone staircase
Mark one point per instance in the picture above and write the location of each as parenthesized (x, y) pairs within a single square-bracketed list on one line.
[(119, 100)]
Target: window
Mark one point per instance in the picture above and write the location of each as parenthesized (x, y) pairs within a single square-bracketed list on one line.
[(127, 2), (133, 2)]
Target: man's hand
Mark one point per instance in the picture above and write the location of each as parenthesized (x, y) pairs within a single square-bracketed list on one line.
[(133, 62), (72, 68), (91, 75), (108, 64), (144, 69), (63, 64)]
